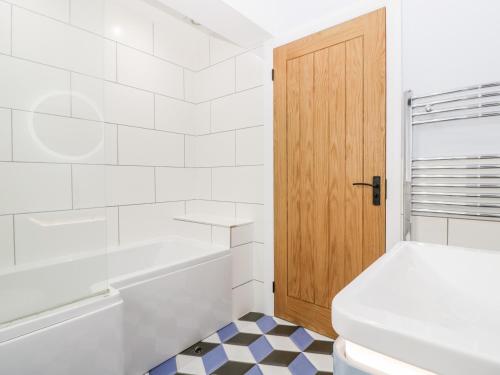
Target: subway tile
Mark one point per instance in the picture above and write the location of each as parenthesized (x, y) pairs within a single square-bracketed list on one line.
[(148, 221), (213, 150), (44, 236), (5, 26), (193, 231), (254, 212), (36, 187), (210, 83), (99, 186), (53, 8), (260, 296), (54, 43), (243, 300), (250, 146), (237, 111), (210, 208), (189, 48), (33, 87), (150, 147), (174, 184), (241, 234), (5, 135), (89, 15), (87, 97), (429, 229), (6, 242), (96, 99), (249, 71), (259, 262), (221, 236), (238, 184), (479, 234), (182, 117), (242, 264), (48, 138), (140, 70), (127, 26), (128, 106), (221, 49)]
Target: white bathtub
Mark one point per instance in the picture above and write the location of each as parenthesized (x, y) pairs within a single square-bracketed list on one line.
[(175, 293), (164, 296)]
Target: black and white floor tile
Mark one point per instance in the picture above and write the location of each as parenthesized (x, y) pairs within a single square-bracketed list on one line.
[(256, 344)]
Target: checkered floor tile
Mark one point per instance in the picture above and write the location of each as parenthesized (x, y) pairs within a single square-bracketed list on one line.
[(255, 344)]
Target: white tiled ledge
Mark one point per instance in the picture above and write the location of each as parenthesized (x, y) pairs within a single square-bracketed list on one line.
[(218, 221)]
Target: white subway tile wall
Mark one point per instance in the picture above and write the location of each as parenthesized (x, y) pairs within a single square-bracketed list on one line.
[(5, 135), (116, 117), (34, 87), (240, 110), (58, 9), (5, 27), (41, 39), (138, 69), (480, 234), (6, 241)]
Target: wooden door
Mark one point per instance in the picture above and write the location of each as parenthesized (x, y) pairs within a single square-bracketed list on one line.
[(329, 119)]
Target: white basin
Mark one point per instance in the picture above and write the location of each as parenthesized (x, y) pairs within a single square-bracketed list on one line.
[(435, 307)]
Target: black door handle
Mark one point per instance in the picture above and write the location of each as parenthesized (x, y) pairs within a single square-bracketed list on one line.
[(376, 188)]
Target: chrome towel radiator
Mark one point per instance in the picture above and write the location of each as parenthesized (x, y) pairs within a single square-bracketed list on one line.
[(457, 185)]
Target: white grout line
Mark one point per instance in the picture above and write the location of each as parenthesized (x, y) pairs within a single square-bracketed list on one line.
[(102, 78), (128, 165), (128, 205), (128, 125)]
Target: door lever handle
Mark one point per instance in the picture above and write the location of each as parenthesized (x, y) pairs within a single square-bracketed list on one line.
[(376, 189), (362, 184)]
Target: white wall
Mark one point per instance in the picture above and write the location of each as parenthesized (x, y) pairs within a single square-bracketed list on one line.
[(152, 118), (95, 115), (104, 145), (232, 152), (281, 16), (449, 44)]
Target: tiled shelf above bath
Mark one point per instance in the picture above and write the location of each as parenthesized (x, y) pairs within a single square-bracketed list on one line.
[(219, 221), (236, 234)]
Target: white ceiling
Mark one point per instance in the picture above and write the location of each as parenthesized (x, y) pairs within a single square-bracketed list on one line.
[(282, 16)]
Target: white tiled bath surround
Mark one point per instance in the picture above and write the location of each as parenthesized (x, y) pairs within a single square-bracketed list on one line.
[(115, 117)]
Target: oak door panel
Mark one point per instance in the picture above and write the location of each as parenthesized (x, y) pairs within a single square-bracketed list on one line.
[(329, 115)]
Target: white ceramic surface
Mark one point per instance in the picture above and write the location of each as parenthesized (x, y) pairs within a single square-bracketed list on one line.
[(175, 293), (170, 294), (81, 339), (435, 307)]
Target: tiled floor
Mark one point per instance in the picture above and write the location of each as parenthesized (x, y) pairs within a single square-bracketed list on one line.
[(255, 344)]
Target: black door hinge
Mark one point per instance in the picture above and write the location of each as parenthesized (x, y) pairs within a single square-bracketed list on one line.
[(272, 74), (274, 287)]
